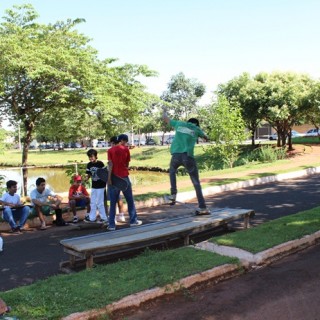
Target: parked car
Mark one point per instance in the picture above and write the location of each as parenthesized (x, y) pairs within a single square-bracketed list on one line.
[(74, 145), (150, 142), (102, 144), (139, 142), (294, 134), (312, 133)]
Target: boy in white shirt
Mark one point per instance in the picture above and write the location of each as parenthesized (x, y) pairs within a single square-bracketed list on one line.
[(14, 210)]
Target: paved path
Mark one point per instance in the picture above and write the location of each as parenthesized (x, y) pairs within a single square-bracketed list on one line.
[(36, 254), (286, 290)]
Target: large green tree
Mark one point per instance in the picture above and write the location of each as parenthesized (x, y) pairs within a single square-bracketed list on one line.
[(47, 69), (182, 96)]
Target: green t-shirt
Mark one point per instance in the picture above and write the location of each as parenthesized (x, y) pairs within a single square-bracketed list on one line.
[(186, 135)]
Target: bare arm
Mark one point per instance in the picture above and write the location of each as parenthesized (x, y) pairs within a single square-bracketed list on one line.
[(165, 117)]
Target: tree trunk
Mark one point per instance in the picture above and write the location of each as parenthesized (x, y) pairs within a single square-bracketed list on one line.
[(25, 152)]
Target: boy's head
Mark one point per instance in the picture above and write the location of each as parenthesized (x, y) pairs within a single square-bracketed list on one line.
[(194, 121), (122, 138), (92, 155), (77, 179), (113, 141), (12, 186), (41, 184)]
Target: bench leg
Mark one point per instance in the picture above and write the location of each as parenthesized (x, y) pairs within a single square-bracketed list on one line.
[(89, 261), (246, 223), (72, 260), (186, 240)]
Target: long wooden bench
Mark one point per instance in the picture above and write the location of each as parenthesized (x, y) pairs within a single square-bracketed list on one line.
[(85, 248)]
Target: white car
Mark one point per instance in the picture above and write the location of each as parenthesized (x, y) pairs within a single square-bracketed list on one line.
[(312, 133), (101, 144), (294, 134)]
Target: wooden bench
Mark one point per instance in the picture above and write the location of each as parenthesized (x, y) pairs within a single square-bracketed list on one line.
[(85, 248)]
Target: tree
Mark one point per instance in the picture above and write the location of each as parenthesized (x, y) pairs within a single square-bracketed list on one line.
[(282, 94), (47, 69), (227, 132), (245, 92), (183, 95)]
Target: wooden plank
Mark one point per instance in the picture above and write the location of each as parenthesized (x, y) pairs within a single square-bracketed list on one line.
[(113, 240)]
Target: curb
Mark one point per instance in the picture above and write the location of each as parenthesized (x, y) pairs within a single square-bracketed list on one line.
[(247, 261), (135, 300)]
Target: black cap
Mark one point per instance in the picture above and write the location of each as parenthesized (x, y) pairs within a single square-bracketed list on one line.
[(113, 139), (122, 137)]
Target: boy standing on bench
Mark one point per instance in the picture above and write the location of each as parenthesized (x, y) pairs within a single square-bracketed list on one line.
[(78, 197), (118, 162), (97, 189)]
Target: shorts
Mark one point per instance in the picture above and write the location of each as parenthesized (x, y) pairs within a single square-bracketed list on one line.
[(46, 210), (81, 203)]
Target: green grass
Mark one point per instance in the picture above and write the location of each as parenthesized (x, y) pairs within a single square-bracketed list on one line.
[(272, 233), (64, 294)]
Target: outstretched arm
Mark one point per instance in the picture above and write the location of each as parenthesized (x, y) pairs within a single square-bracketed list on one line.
[(165, 117)]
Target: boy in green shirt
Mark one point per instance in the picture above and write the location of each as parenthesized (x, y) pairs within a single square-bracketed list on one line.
[(182, 151)]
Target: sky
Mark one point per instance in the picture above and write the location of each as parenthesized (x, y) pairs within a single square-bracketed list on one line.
[(211, 41)]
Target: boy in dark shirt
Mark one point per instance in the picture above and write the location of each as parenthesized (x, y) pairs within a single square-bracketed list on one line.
[(97, 188)]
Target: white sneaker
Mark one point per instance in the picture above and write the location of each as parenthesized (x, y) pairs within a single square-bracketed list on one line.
[(120, 217), (136, 223), (75, 219)]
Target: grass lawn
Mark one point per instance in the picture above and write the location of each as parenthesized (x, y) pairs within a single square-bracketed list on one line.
[(64, 294), (270, 234)]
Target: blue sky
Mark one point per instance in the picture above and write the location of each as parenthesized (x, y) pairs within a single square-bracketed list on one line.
[(212, 41)]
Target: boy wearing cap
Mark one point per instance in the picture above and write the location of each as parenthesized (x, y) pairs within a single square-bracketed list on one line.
[(78, 197), (118, 162)]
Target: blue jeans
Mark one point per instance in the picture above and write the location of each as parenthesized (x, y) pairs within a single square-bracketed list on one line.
[(189, 163), (114, 197), (19, 214)]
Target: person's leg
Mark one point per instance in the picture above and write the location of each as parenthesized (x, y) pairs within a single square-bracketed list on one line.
[(175, 163), (93, 209), (72, 204), (23, 214), (100, 204), (8, 217), (191, 166), (130, 202), (38, 211), (114, 194), (121, 216)]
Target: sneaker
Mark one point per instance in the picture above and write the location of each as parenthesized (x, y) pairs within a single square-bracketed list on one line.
[(103, 221), (75, 219), (61, 223), (136, 223), (202, 211), (111, 228), (16, 230), (120, 217), (172, 197), (43, 226), (87, 220)]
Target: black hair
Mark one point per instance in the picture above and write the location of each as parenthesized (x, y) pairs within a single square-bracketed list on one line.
[(194, 121), (39, 181), (92, 152), (114, 140), (11, 183)]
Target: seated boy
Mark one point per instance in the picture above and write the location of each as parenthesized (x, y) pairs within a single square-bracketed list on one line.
[(44, 200), (14, 210), (78, 197)]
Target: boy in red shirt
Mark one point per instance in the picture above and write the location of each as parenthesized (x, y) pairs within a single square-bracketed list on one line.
[(118, 162), (78, 197)]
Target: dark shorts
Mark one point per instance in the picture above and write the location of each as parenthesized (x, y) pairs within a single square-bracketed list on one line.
[(81, 203)]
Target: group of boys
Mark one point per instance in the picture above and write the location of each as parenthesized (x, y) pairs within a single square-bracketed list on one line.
[(44, 200), (182, 151)]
